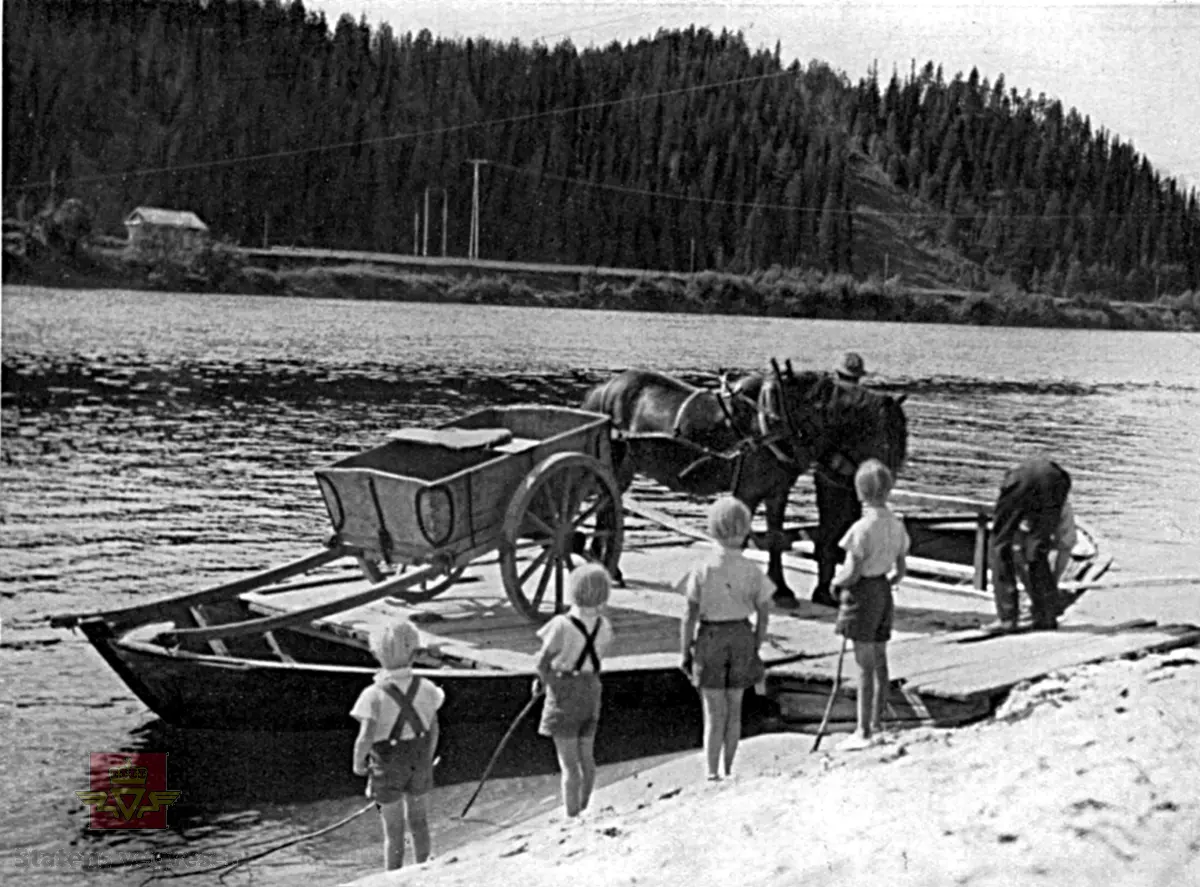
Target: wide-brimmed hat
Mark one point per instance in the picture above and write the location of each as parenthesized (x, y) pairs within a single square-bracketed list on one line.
[(851, 366)]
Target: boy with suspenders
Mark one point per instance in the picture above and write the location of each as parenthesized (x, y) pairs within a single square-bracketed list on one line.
[(568, 668), (397, 738)]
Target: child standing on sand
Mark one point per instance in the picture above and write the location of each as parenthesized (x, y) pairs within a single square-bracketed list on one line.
[(875, 544), (719, 649), (397, 738), (568, 667)]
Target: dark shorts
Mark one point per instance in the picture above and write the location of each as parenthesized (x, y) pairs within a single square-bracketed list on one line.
[(394, 771), (726, 657), (572, 706), (866, 611)]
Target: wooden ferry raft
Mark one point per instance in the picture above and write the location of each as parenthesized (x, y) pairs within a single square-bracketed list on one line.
[(944, 670)]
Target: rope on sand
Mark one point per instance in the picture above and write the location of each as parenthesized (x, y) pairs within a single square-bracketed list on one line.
[(227, 868)]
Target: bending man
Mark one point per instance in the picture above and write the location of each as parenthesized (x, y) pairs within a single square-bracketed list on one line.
[(1032, 519)]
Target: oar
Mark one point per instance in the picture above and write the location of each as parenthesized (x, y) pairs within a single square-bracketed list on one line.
[(837, 685), (487, 771)]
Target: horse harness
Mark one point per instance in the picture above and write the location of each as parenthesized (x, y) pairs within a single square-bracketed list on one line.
[(837, 467), (832, 464)]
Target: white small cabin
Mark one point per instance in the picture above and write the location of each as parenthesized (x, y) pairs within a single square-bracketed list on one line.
[(176, 231)]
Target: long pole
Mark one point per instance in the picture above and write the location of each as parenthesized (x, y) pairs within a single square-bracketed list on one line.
[(487, 771), (416, 227), (837, 685), (445, 218)]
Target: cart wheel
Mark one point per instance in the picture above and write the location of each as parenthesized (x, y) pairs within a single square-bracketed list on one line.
[(428, 589), (567, 511)]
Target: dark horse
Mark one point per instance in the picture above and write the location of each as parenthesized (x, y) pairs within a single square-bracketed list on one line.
[(752, 439)]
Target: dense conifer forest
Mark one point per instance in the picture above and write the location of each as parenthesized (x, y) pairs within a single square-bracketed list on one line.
[(685, 151)]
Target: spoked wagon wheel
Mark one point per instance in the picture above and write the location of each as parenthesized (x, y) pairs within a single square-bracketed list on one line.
[(566, 512), (429, 588)]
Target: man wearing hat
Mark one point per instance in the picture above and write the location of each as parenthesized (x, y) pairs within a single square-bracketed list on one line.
[(837, 504), (851, 368)]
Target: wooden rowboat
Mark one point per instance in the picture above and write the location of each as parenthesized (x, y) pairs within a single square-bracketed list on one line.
[(950, 537)]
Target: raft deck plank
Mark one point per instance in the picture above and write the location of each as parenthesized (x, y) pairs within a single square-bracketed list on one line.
[(473, 620), (931, 655), (961, 666)]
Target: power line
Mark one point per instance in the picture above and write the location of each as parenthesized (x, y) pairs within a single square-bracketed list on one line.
[(938, 215), (397, 137)]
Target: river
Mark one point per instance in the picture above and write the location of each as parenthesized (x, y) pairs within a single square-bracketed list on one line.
[(157, 442)]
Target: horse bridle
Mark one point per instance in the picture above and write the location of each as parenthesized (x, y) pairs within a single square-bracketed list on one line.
[(835, 460)]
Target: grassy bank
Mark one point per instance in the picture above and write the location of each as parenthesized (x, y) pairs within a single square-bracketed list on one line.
[(772, 293)]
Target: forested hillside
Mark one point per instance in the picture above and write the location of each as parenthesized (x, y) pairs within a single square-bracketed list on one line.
[(688, 150)]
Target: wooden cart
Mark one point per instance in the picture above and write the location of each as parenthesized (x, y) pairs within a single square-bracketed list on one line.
[(533, 483)]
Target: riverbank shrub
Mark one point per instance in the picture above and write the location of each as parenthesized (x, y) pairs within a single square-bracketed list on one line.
[(776, 292)]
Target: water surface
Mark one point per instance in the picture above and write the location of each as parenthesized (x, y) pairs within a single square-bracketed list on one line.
[(155, 443)]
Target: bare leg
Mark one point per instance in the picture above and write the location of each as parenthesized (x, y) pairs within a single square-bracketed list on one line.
[(733, 726), (864, 655), (587, 767), (393, 834), (568, 762), (882, 684), (418, 820), (715, 715)]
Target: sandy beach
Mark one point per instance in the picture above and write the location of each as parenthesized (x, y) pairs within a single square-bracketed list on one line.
[(1088, 776)]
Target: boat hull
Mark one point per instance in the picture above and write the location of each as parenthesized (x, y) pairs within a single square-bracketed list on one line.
[(215, 692)]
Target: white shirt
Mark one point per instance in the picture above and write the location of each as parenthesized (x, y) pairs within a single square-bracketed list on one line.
[(727, 585), (876, 540), (566, 642), (376, 704)]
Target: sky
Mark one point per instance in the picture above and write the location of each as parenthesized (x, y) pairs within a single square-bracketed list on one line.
[(1133, 67)]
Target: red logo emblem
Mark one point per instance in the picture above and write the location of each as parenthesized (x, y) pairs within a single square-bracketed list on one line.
[(129, 790)]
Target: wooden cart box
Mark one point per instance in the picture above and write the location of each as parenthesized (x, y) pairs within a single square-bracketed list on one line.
[(441, 494)]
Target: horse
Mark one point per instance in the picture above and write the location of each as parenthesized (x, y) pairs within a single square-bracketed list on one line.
[(752, 438)]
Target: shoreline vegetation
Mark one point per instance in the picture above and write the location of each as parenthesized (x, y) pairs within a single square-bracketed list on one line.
[(774, 292)]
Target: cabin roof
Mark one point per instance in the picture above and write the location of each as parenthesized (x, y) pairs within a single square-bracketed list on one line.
[(168, 218)]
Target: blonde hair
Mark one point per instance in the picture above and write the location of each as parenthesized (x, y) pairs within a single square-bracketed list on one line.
[(395, 644), (729, 521), (873, 481), (589, 585)]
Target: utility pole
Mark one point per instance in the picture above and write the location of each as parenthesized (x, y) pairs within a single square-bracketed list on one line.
[(445, 217), (425, 237), (474, 247), (416, 228)]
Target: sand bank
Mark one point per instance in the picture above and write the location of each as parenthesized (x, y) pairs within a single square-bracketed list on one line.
[(1086, 777)]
